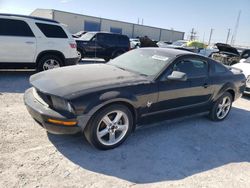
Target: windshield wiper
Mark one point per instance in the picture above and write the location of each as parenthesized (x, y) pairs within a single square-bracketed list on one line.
[(141, 74)]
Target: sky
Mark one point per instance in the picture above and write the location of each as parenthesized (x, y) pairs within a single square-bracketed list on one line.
[(181, 15)]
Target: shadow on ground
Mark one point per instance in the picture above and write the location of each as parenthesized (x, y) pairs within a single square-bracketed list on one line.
[(18, 81), (14, 82), (172, 150)]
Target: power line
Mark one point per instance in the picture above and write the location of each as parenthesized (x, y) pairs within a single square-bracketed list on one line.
[(236, 28)]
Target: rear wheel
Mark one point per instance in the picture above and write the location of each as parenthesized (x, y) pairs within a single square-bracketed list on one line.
[(221, 107), (48, 62), (107, 59), (110, 127), (80, 54)]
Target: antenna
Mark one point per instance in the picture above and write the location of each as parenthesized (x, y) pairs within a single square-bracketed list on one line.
[(236, 29)]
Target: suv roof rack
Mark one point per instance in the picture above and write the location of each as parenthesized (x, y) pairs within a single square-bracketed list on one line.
[(30, 17)]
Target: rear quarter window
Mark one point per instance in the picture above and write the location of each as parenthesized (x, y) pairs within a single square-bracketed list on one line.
[(218, 68), (52, 31), (122, 40)]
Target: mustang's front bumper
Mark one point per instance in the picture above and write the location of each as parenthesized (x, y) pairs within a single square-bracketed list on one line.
[(42, 114)]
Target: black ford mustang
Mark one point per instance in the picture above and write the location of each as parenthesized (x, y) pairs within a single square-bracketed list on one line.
[(107, 101)]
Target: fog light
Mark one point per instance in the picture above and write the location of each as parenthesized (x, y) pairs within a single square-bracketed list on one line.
[(60, 122)]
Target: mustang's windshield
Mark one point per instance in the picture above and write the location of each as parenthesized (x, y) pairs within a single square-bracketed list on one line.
[(147, 62)]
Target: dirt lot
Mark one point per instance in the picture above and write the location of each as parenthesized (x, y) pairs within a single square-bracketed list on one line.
[(188, 152)]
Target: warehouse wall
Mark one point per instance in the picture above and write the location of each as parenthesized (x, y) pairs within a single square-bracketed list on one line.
[(171, 35), (76, 22), (44, 13), (127, 28), (152, 33)]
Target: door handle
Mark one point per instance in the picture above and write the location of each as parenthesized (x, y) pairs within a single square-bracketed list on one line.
[(205, 85), (29, 42)]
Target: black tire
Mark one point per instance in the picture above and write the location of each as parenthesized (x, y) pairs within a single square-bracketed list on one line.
[(80, 53), (95, 123), (116, 54), (106, 59), (45, 58), (213, 115)]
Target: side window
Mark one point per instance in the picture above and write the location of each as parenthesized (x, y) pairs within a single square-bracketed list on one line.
[(101, 38), (18, 28), (110, 40), (52, 31), (218, 68), (122, 40), (192, 67)]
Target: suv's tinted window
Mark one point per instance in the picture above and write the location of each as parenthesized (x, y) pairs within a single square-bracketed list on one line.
[(52, 31), (113, 40), (100, 37), (110, 40), (123, 40), (9, 27), (192, 67)]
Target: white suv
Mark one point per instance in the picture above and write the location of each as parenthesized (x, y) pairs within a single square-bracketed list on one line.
[(32, 42)]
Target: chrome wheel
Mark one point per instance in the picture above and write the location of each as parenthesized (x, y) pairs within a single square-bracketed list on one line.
[(223, 107), (79, 54), (50, 64), (112, 128)]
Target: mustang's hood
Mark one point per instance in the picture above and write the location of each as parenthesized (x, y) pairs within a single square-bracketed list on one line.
[(75, 80), (227, 48)]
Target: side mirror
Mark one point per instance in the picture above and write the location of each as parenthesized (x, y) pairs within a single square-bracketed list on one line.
[(178, 76)]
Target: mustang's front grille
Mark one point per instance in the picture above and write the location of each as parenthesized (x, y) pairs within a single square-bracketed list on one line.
[(42, 98), (247, 89)]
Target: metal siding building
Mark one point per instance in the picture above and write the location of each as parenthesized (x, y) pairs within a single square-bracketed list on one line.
[(78, 22)]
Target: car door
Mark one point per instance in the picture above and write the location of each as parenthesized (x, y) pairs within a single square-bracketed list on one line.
[(103, 44), (194, 91), (18, 42)]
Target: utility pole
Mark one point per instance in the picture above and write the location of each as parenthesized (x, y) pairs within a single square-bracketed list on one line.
[(228, 35), (236, 29), (203, 39), (142, 21), (138, 21), (193, 34), (210, 36)]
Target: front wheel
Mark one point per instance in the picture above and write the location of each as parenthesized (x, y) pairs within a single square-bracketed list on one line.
[(221, 107), (110, 127), (80, 54)]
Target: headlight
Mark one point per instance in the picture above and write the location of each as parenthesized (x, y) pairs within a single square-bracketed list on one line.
[(248, 79), (61, 104)]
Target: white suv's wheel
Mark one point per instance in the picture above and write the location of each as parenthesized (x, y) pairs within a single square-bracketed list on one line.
[(48, 62), (51, 64)]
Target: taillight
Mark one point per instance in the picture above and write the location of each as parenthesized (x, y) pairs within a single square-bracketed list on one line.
[(72, 45)]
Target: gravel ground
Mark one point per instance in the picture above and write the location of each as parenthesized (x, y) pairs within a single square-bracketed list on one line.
[(188, 152)]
